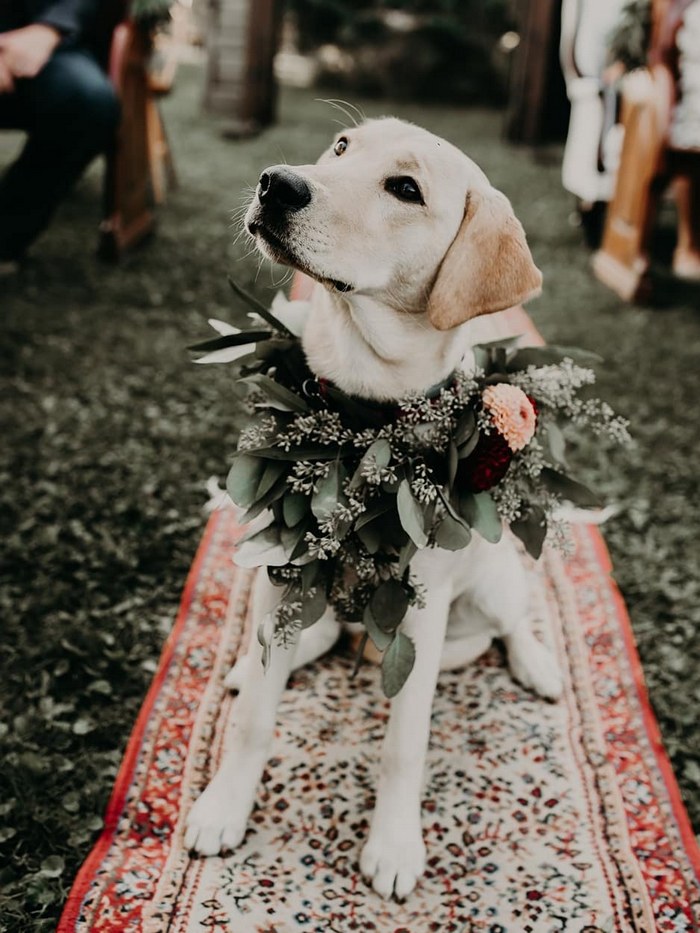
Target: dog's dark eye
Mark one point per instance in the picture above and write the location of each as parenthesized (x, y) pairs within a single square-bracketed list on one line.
[(405, 189), (340, 146)]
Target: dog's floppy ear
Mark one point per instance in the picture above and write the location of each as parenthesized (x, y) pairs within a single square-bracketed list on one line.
[(488, 266)]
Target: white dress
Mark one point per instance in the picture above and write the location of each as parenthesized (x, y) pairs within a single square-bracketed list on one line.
[(685, 123)]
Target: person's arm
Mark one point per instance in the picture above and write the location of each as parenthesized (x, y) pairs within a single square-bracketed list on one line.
[(67, 17), (25, 51)]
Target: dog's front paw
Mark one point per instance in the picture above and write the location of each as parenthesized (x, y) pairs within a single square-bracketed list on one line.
[(534, 666), (393, 862), (213, 824)]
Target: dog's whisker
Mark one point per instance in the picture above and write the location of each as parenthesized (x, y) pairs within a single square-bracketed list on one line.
[(347, 103), (283, 157), (334, 102)]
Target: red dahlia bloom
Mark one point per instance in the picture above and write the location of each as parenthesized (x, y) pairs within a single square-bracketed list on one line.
[(487, 464)]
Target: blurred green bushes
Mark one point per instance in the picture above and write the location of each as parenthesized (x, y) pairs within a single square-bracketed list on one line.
[(410, 49)]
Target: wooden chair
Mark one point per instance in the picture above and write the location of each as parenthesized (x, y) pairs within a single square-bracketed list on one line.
[(648, 161), (140, 168)]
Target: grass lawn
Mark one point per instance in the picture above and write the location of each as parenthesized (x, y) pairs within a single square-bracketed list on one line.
[(109, 435)]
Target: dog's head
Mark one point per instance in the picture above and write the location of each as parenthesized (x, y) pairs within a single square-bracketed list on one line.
[(396, 213)]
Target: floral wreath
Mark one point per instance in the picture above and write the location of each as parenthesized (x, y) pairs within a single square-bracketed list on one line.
[(345, 491)]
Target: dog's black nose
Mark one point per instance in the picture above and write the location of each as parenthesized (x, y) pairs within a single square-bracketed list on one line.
[(281, 188)]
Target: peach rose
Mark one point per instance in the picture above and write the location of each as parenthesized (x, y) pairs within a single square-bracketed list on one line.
[(512, 413)]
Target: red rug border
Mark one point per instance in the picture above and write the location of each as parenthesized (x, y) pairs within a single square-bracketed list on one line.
[(115, 806), (651, 725)]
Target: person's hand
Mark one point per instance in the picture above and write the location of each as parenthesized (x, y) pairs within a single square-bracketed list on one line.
[(25, 51), (7, 84)]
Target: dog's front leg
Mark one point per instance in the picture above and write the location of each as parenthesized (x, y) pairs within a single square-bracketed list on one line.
[(218, 819), (394, 855)]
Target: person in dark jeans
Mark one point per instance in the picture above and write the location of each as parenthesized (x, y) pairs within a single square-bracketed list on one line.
[(51, 86)]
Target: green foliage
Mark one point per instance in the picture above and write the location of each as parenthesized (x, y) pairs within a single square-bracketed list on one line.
[(629, 41), (444, 48), (150, 11)]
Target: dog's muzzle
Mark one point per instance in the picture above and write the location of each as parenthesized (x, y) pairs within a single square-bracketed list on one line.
[(281, 191)]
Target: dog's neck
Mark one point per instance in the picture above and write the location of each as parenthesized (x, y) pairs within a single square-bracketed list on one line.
[(368, 349)]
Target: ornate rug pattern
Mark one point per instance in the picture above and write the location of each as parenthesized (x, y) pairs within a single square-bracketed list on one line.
[(538, 817)]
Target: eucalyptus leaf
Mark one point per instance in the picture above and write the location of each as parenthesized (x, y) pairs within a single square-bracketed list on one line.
[(465, 427), (259, 308), (546, 356), (230, 340), (379, 452), (467, 448), (556, 442), (452, 462), (397, 664), (313, 605), (480, 512), (290, 537), (503, 343), (300, 555), (259, 548), (328, 492), (569, 489), (310, 576), (380, 507), (277, 396), (274, 469), (266, 501), (295, 506), (406, 555), (269, 535), (493, 354), (452, 534), (371, 536), (380, 638), (411, 514), (388, 604), (243, 480), (532, 531)]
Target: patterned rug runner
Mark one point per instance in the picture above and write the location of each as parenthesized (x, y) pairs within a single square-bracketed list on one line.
[(538, 816)]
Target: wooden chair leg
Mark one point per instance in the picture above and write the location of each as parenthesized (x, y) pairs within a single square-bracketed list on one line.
[(162, 165), (128, 215), (622, 263)]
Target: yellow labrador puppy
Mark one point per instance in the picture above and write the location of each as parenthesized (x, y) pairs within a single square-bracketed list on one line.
[(407, 241)]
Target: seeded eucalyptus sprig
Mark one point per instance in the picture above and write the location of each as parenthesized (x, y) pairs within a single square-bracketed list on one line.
[(342, 492)]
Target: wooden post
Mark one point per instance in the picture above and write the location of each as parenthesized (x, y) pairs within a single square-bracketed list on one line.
[(538, 109), (242, 39)]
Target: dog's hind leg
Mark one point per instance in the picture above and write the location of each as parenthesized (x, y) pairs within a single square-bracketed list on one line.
[(218, 820), (460, 652), (502, 596), (313, 643)]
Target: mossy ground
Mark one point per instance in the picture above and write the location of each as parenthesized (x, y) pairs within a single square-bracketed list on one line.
[(109, 435)]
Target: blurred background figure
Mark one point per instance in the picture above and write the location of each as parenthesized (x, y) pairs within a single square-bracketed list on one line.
[(52, 87), (633, 78), (592, 150)]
